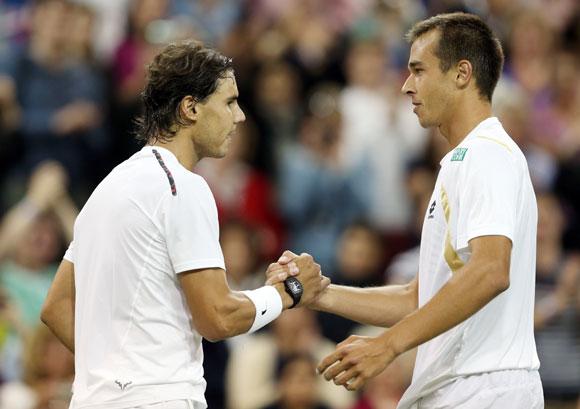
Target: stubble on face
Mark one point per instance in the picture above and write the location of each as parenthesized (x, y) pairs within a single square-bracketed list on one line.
[(430, 88), (217, 119)]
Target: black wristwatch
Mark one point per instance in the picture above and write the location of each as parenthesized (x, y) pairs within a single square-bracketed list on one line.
[(294, 288)]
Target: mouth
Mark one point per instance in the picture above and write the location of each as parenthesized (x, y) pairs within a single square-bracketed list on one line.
[(416, 106)]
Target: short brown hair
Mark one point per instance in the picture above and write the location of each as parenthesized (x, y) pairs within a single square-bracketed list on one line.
[(182, 69), (465, 37)]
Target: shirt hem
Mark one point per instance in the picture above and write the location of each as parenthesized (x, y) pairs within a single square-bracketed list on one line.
[(199, 264)]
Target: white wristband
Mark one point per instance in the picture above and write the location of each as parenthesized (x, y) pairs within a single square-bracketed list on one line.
[(268, 303)]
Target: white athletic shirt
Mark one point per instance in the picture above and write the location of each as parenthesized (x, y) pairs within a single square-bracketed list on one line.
[(483, 188), (134, 341)]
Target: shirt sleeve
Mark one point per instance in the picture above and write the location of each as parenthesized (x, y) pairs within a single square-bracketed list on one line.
[(69, 254), (488, 194), (192, 229)]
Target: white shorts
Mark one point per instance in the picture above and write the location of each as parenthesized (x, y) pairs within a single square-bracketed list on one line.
[(515, 389), (174, 404)]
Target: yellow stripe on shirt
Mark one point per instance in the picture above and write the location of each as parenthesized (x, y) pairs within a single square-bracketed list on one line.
[(451, 257)]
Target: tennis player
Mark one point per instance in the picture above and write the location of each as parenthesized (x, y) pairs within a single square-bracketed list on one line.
[(143, 279), (470, 309)]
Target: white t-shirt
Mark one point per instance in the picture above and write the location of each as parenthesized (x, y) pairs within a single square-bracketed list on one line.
[(147, 221), (483, 188)]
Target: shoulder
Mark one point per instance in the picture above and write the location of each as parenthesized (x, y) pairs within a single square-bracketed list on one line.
[(489, 152)]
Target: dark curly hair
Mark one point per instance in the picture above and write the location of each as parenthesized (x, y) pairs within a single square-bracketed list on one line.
[(182, 69), (465, 37)]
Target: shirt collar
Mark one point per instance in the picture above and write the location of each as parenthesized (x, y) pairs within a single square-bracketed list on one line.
[(165, 153), (492, 120)]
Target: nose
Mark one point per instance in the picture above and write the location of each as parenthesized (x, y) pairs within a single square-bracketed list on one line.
[(408, 87), (240, 116)]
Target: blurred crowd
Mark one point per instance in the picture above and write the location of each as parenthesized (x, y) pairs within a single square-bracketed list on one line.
[(330, 161)]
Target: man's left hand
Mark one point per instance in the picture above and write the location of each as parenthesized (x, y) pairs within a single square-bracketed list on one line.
[(356, 360)]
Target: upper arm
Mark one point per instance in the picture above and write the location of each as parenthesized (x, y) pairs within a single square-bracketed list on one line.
[(62, 289), (492, 255)]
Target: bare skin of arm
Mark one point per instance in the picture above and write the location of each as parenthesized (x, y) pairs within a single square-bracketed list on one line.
[(484, 277), (219, 313), (358, 304), (58, 311)]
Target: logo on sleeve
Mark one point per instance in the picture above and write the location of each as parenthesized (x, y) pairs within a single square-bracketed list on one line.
[(458, 154)]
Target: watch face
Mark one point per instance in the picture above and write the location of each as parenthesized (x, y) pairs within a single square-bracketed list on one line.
[(295, 286)]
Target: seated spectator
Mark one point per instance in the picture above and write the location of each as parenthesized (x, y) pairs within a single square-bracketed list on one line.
[(296, 378), (557, 311), (359, 257), (319, 196), (251, 380)]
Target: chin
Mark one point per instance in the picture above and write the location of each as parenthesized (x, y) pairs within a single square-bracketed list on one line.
[(425, 123)]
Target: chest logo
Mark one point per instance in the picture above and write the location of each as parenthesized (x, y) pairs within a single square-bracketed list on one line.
[(432, 209), (458, 154)]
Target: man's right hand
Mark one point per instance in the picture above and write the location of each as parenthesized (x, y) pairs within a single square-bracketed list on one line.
[(309, 275)]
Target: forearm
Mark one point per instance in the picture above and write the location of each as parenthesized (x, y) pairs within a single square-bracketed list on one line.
[(235, 315), (468, 290), (60, 320), (379, 306)]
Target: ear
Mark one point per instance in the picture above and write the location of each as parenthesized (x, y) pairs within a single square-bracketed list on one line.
[(188, 108), (464, 72)]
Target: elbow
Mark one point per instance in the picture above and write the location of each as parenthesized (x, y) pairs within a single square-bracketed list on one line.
[(499, 279), (220, 326), (215, 333), (46, 314)]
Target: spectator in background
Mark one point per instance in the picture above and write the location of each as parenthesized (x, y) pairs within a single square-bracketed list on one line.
[(252, 367), (319, 196), (296, 378), (31, 239), (359, 256), (47, 381), (212, 19), (241, 245), (278, 105), (10, 144), (514, 111), (557, 311), (379, 128), (243, 192), (60, 110), (531, 44), (420, 183), (140, 44)]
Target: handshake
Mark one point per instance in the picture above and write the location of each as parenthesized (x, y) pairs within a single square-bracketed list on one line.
[(301, 278)]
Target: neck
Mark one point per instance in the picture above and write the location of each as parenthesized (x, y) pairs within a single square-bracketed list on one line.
[(182, 147), (465, 116)]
